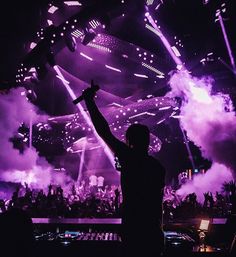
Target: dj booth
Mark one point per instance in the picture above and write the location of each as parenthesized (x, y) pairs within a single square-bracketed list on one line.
[(101, 237)]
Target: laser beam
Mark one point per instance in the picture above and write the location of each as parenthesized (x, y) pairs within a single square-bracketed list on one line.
[(231, 57)]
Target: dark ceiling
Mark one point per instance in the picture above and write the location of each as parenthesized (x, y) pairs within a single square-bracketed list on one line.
[(191, 21)]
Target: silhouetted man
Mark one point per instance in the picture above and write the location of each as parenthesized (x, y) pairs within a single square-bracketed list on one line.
[(142, 183)]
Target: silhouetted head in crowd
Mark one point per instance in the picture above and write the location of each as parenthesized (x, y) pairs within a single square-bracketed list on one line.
[(16, 235), (138, 137)]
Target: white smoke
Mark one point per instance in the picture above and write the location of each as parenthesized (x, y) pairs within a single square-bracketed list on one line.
[(15, 166), (210, 123)]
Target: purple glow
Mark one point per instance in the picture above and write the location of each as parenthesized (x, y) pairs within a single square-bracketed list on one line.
[(154, 28), (27, 167), (32, 70), (81, 164), (211, 181), (164, 108), (86, 56), (149, 2), (49, 22), (86, 117), (72, 3), (152, 69), (176, 51), (160, 121), (99, 47), (142, 114), (210, 122), (227, 42), (94, 24), (77, 33), (112, 68), (52, 9), (140, 75), (32, 45), (62, 79)]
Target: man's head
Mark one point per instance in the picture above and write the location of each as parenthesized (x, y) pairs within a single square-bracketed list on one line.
[(138, 137)]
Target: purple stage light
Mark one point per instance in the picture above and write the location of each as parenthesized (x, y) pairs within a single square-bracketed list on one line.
[(209, 121), (152, 68), (32, 45), (99, 47), (176, 51), (199, 117), (52, 9), (86, 117), (164, 108), (140, 75), (227, 42), (49, 22), (149, 2), (94, 24), (62, 79), (77, 33), (112, 68), (72, 3), (27, 166), (86, 56), (154, 28)]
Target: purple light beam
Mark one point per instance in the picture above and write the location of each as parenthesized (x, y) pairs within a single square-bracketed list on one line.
[(227, 43), (81, 161), (85, 116), (154, 28), (179, 64)]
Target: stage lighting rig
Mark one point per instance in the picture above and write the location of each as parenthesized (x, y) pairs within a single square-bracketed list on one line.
[(98, 13)]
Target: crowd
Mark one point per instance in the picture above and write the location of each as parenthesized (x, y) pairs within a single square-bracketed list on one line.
[(88, 200), (80, 201), (218, 204)]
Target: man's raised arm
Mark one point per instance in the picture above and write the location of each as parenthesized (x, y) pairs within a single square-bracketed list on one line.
[(99, 122)]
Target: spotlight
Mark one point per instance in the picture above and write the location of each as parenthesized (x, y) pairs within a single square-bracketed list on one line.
[(70, 42), (89, 35)]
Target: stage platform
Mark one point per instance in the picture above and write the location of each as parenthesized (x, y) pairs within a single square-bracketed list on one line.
[(89, 237)]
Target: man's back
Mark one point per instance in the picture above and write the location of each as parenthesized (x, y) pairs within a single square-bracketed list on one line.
[(142, 182)]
